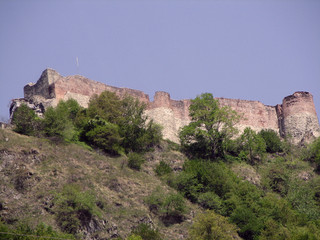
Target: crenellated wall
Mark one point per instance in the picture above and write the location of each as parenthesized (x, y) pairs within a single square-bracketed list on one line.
[(296, 116)]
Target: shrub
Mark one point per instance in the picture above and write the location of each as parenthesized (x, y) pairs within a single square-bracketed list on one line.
[(135, 161), (139, 133), (155, 200), (210, 128), (107, 106), (163, 168), (252, 145), (171, 208), (248, 222), (313, 154), (134, 237), (146, 232), (136, 132), (57, 123), (173, 205), (209, 225), (278, 180), (188, 185), (210, 200), (25, 121), (272, 140), (26, 232), (71, 107), (102, 134), (203, 176), (302, 196), (74, 208)]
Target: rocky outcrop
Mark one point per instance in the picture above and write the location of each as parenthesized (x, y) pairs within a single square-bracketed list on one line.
[(295, 117)]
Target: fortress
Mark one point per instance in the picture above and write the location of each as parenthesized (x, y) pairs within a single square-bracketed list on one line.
[(295, 117)]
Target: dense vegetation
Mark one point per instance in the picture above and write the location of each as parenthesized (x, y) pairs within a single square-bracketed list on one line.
[(114, 125), (283, 206), (253, 185)]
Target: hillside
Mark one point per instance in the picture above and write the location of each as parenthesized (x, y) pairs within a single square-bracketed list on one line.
[(34, 170), (104, 172)]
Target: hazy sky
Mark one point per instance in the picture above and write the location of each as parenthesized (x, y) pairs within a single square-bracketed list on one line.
[(255, 50)]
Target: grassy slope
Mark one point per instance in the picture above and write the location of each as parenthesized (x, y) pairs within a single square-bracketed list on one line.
[(33, 169)]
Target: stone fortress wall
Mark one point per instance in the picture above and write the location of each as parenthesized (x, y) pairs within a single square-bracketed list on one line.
[(296, 116)]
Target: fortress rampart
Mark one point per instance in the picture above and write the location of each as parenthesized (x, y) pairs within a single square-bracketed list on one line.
[(296, 116)]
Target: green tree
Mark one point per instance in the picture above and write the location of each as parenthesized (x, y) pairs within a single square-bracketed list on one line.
[(107, 106), (211, 226), (139, 133), (210, 127), (252, 144), (71, 107), (58, 121), (272, 140), (102, 134), (136, 131), (25, 121)]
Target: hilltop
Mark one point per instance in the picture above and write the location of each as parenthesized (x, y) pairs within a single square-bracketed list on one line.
[(104, 171), (295, 117)]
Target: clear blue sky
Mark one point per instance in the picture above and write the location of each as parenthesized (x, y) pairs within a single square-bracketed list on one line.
[(256, 50)]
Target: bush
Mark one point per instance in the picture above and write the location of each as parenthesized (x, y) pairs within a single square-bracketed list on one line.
[(171, 208), (146, 232), (252, 145), (209, 225), (210, 128), (248, 222), (107, 106), (102, 134), (135, 161), (204, 176), (173, 205), (210, 200), (139, 133), (57, 123), (26, 121), (302, 197), (278, 180), (136, 132), (134, 237), (26, 232), (74, 208), (163, 168), (272, 140), (188, 185), (313, 154)]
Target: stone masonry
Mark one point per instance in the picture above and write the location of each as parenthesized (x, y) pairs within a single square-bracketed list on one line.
[(295, 117)]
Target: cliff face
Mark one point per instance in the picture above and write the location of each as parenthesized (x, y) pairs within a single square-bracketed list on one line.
[(296, 116)]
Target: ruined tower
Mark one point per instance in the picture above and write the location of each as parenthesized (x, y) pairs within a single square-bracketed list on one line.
[(299, 117)]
